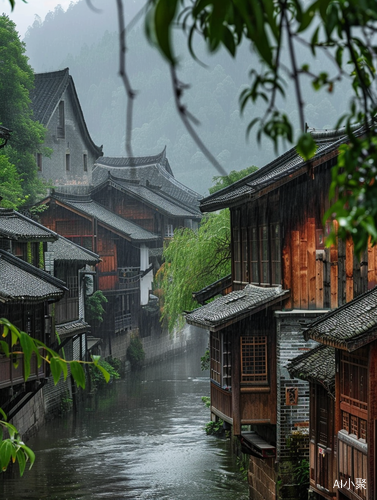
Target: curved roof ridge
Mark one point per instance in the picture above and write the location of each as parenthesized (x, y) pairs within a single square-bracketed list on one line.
[(132, 161), (329, 135)]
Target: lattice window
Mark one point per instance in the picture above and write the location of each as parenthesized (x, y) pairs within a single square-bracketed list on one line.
[(264, 255), (275, 255), (363, 429), (346, 421), (245, 267), (253, 249), (237, 254), (215, 357), (254, 360), (354, 427), (73, 286), (226, 363)]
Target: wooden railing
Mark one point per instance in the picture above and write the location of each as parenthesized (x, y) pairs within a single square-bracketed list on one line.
[(352, 465), (129, 278), (221, 400), (9, 375), (122, 321)]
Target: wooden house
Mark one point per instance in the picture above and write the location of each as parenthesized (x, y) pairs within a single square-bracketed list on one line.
[(350, 331), (278, 248), (145, 191), (26, 295), (124, 274), (74, 265), (56, 105)]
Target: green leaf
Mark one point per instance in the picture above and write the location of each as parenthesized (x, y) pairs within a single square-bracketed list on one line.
[(306, 147), (21, 461), (164, 14), (78, 374), (6, 449), (28, 347), (105, 373), (56, 369), (4, 348)]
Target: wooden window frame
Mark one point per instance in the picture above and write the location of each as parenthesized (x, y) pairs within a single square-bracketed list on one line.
[(254, 360), (215, 357), (221, 360)]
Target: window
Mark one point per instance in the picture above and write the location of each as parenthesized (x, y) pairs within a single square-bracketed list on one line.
[(68, 162), (38, 159), (215, 357), (60, 132), (169, 231), (254, 360), (245, 267), (85, 162), (275, 255), (221, 360), (73, 287), (264, 255), (253, 249), (354, 425), (237, 254)]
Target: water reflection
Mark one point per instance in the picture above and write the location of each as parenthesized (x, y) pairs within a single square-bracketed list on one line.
[(142, 439)]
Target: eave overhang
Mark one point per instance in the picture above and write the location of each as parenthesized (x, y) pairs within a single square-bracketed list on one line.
[(235, 306)]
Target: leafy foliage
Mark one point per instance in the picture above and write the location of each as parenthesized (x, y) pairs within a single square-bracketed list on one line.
[(221, 181), (97, 378), (193, 259), (214, 428), (342, 32), (12, 448), (94, 307), (135, 352), (17, 80)]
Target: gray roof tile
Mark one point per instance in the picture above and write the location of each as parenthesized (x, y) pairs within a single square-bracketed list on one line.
[(280, 168), (154, 173), (350, 326), (72, 328), (114, 222), (235, 306), (317, 365), (65, 250), (16, 226), (22, 282)]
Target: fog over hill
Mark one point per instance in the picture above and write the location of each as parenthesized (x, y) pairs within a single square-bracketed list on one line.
[(87, 42)]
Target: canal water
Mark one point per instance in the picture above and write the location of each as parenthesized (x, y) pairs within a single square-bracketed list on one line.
[(142, 439)]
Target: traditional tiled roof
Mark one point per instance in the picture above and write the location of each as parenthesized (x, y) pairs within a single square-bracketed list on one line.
[(72, 328), (235, 306), (157, 199), (350, 326), (47, 93), (277, 170), (67, 251), (16, 226), (152, 176), (86, 206), (22, 282), (316, 365)]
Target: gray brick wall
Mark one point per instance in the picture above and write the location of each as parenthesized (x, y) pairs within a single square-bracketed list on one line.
[(291, 343)]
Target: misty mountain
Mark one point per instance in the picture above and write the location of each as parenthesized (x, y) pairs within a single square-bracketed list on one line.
[(87, 42)]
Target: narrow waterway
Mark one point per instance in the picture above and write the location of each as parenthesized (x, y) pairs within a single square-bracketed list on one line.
[(143, 439)]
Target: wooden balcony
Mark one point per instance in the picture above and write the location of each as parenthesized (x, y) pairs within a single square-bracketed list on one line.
[(221, 403), (128, 278), (9, 375), (122, 321), (352, 464)]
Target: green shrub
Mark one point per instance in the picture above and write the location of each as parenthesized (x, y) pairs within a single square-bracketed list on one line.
[(135, 352), (215, 428), (97, 378)]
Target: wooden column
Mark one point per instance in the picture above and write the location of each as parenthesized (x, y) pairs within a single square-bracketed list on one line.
[(236, 389)]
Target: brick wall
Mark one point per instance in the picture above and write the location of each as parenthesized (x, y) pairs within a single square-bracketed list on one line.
[(262, 479)]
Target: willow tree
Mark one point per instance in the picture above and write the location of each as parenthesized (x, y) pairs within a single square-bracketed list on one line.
[(193, 260)]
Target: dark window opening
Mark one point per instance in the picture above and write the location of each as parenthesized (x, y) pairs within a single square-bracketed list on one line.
[(61, 121)]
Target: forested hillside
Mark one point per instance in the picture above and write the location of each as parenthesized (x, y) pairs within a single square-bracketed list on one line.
[(87, 43)]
